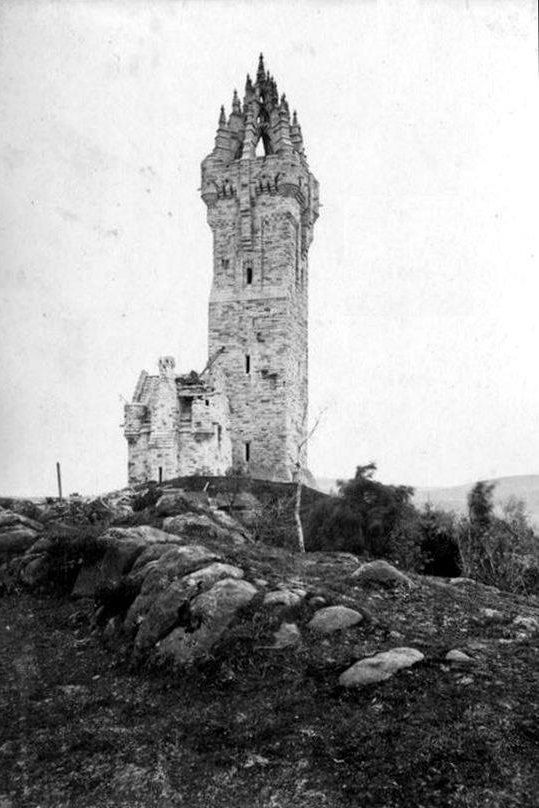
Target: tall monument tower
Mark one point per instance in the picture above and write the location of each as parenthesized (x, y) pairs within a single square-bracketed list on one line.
[(262, 203)]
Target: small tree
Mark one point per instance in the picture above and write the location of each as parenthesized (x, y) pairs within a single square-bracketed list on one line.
[(500, 552), (368, 516), (439, 542), (298, 474), (380, 509), (481, 505)]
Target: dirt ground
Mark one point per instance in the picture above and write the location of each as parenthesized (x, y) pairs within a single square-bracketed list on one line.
[(263, 730)]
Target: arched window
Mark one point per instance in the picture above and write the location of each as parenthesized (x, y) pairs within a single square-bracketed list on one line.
[(248, 274)]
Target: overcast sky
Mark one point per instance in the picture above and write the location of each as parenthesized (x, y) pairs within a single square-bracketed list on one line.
[(421, 122)]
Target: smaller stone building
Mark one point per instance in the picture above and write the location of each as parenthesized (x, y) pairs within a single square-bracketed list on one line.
[(177, 425)]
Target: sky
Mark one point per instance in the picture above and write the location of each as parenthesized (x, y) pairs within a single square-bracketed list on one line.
[(421, 123)]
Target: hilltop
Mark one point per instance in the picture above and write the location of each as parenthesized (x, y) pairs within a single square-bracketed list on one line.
[(156, 655)]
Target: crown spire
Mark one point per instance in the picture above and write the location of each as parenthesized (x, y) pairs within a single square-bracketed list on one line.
[(261, 72), (262, 113)]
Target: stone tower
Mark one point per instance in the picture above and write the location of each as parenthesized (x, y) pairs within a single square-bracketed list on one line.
[(262, 203)]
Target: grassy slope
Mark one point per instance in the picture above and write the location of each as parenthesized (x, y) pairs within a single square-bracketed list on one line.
[(270, 729)]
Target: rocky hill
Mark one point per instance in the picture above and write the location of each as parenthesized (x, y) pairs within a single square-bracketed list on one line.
[(157, 655)]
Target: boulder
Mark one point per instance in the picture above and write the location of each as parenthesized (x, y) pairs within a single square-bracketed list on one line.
[(16, 540), (381, 572), (175, 563), (117, 561), (200, 526), (10, 518), (154, 551), (177, 501), (459, 657), (35, 572), (213, 611), (220, 603), (143, 534), (123, 547), (379, 667), (334, 618), (284, 597), (229, 523), (42, 545), (164, 612)]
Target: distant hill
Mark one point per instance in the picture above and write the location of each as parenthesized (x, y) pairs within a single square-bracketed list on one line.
[(525, 487)]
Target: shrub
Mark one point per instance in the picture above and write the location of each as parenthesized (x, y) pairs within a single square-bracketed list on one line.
[(149, 498), (332, 525), (499, 552), (367, 516), (274, 524), (439, 542)]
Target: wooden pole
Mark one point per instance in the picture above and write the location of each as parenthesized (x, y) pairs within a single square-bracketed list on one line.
[(59, 478)]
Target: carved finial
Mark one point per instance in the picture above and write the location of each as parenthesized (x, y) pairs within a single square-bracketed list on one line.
[(166, 367), (222, 117), (261, 72), (295, 134), (284, 104), (248, 84), (236, 106)]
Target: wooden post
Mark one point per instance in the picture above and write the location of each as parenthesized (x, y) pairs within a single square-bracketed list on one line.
[(59, 477)]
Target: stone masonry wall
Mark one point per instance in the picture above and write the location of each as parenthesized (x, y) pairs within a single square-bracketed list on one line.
[(258, 306), (180, 431)]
